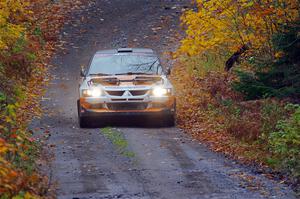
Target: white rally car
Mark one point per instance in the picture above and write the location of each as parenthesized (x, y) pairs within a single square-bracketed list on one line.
[(125, 82)]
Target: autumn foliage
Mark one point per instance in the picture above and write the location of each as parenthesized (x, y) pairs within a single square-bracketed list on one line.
[(28, 35), (219, 27), (254, 121)]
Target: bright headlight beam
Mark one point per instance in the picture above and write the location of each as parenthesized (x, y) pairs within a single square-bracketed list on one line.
[(159, 91), (93, 92)]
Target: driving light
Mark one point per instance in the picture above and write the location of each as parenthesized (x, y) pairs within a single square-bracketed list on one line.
[(94, 92), (159, 91)]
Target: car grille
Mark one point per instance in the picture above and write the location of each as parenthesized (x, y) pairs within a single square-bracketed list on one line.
[(115, 93), (133, 92), (127, 106), (97, 106), (119, 100), (138, 92)]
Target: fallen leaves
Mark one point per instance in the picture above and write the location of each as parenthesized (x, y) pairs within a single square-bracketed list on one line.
[(202, 114), (24, 75)]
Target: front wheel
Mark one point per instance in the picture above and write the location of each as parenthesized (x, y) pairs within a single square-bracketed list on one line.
[(83, 121), (169, 120)]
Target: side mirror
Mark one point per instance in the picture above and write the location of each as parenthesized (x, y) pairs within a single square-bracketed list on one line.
[(82, 71), (168, 71)]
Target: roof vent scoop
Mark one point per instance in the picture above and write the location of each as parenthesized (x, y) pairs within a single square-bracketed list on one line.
[(125, 50)]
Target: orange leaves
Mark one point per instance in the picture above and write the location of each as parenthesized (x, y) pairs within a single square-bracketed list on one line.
[(13, 180), (28, 33), (8, 175)]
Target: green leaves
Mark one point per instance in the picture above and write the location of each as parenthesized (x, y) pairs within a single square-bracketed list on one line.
[(279, 77), (285, 142), (2, 97)]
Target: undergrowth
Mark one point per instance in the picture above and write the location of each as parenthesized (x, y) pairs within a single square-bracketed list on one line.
[(237, 80), (28, 35), (263, 132)]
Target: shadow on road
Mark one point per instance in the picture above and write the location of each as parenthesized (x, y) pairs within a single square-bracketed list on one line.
[(128, 121)]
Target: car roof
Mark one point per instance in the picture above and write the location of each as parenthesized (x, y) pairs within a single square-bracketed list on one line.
[(126, 50)]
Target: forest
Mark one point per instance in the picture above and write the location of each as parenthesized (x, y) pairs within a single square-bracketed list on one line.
[(244, 61), (236, 73)]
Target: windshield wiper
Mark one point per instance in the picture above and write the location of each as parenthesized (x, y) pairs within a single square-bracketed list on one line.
[(134, 73), (100, 74), (149, 65)]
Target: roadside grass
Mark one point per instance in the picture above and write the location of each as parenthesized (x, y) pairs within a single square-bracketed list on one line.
[(118, 140)]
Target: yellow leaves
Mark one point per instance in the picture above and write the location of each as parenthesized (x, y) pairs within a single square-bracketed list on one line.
[(219, 26), (4, 148), (29, 196), (279, 54), (11, 15)]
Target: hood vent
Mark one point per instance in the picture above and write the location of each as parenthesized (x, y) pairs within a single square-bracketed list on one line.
[(125, 50)]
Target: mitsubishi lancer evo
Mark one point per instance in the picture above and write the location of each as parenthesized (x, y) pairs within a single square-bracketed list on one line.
[(125, 82)]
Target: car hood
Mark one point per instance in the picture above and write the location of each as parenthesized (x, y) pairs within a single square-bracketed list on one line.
[(126, 80)]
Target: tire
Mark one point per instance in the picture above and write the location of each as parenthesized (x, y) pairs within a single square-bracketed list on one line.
[(83, 121), (169, 120)]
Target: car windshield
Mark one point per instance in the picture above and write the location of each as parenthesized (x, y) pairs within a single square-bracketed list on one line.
[(118, 64)]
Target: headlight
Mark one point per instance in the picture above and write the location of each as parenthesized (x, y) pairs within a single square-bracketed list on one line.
[(159, 91), (93, 92)]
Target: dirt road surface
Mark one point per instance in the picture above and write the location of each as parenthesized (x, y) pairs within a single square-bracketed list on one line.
[(152, 162)]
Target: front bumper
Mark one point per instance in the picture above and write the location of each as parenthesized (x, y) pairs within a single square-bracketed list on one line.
[(93, 113), (156, 107)]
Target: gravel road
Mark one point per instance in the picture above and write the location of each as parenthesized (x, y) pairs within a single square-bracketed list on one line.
[(151, 162)]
